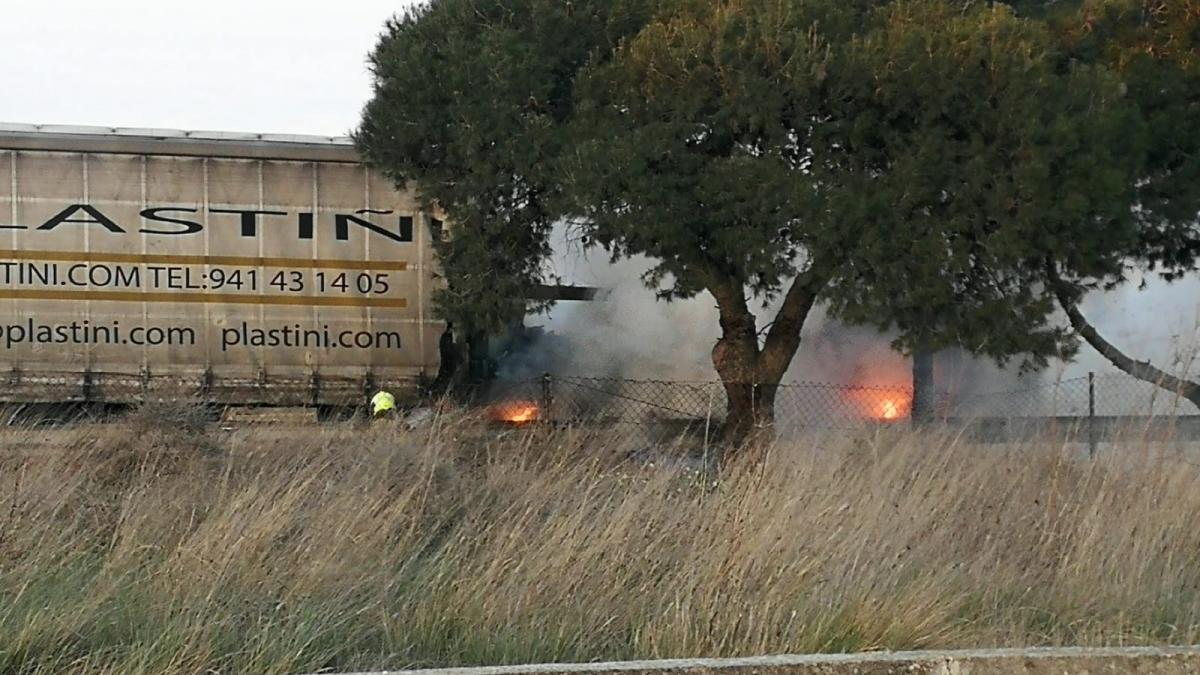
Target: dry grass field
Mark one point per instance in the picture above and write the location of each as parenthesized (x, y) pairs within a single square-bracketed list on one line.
[(160, 545)]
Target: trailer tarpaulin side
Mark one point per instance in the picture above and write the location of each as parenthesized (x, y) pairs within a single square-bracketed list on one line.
[(252, 269)]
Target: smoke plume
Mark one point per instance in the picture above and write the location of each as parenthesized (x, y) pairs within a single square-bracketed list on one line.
[(628, 333)]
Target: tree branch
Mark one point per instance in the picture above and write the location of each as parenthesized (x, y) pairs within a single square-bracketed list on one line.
[(783, 339), (1142, 370)]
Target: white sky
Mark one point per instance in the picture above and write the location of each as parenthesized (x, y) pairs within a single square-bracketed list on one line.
[(276, 66)]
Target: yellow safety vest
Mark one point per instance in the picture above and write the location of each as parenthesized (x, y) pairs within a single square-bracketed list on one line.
[(383, 402)]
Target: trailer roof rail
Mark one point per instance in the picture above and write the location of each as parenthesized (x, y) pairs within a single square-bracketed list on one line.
[(136, 141)]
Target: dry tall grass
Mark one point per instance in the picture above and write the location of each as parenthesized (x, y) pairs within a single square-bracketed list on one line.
[(154, 549)]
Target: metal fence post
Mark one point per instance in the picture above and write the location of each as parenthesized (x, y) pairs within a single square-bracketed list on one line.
[(1091, 415), (923, 387), (368, 390), (547, 397), (206, 384)]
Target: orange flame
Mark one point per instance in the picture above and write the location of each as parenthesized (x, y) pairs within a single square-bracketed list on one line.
[(883, 406), (890, 410), (516, 412)]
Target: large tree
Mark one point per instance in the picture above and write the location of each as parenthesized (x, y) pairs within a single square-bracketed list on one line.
[(914, 164)]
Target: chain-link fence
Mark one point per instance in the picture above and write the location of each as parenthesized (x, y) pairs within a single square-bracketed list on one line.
[(1095, 401), (1100, 395), (590, 399), (1104, 401)]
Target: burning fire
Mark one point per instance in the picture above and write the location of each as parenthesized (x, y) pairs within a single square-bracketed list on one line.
[(890, 410), (882, 406), (515, 412)]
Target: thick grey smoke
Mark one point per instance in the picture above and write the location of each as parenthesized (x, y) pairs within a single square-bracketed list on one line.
[(631, 334), (628, 333), (1159, 323)]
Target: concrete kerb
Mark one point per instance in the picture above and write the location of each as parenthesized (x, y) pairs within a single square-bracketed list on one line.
[(1036, 661)]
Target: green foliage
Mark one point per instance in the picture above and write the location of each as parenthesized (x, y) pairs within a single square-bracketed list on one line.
[(469, 97), (693, 146), (972, 157), (1154, 47), (921, 159)]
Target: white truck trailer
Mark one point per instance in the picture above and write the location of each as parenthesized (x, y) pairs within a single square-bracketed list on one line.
[(241, 269)]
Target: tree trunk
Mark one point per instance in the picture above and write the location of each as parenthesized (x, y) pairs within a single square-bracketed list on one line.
[(479, 364), (750, 414), (1142, 370), (452, 355), (924, 387), (735, 357), (750, 375)]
